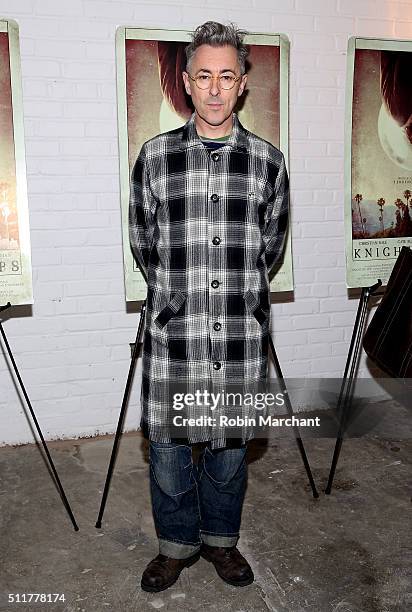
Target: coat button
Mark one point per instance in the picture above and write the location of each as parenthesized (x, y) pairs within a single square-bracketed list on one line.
[(215, 157), (214, 197), (215, 284), (216, 240), (217, 326), (217, 365)]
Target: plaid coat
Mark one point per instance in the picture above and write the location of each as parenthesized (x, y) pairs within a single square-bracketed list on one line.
[(206, 229)]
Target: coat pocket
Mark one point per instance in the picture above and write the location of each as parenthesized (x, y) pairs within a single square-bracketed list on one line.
[(170, 310), (255, 308)]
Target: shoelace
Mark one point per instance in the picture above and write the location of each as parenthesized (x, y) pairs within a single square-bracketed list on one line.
[(160, 562), (229, 554)]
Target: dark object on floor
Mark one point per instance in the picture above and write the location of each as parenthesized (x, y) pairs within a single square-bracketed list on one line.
[(388, 339)]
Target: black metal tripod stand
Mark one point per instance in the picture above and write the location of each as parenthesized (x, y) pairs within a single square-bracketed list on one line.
[(36, 423), (348, 381)]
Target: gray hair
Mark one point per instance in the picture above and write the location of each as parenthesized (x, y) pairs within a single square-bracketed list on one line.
[(218, 35)]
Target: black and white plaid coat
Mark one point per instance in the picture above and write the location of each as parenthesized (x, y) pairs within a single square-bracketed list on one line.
[(206, 228)]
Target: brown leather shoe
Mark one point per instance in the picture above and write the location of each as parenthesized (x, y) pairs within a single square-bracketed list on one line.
[(163, 571), (230, 565)]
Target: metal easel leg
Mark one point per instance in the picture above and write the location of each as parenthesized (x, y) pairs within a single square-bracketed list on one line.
[(135, 355), (299, 441), (346, 391), (36, 423)]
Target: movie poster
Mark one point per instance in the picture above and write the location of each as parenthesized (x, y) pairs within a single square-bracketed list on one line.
[(378, 189), (151, 100), (15, 259)]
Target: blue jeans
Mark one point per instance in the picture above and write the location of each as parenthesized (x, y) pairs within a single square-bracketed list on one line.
[(196, 503)]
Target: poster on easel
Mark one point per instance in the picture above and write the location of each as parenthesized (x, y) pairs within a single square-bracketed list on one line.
[(15, 253), (378, 158), (152, 100)]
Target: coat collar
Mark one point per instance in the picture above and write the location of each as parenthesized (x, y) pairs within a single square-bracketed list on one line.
[(237, 139)]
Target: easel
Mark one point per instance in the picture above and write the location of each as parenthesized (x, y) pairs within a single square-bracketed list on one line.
[(348, 381), (286, 397), (46, 450), (135, 355)]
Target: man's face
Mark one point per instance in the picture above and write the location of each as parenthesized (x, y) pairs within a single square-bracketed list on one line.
[(214, 105)]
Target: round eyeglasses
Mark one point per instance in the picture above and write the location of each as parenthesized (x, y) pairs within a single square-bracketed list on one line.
[(204, 81)]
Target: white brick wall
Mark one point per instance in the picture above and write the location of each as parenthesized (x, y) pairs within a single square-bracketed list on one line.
[(73, 348)]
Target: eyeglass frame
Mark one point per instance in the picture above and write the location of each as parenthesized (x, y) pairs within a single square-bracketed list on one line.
[(217, 77)]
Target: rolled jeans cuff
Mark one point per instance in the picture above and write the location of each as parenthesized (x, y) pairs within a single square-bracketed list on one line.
[(217, 540), (177, 550)]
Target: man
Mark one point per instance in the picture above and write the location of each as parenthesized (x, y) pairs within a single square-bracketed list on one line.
[(208, 216)]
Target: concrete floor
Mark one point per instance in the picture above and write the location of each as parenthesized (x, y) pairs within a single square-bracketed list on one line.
[(348, 552)]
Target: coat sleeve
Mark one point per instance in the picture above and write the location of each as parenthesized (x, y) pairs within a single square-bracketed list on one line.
[(276, 218), (142, 207)]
